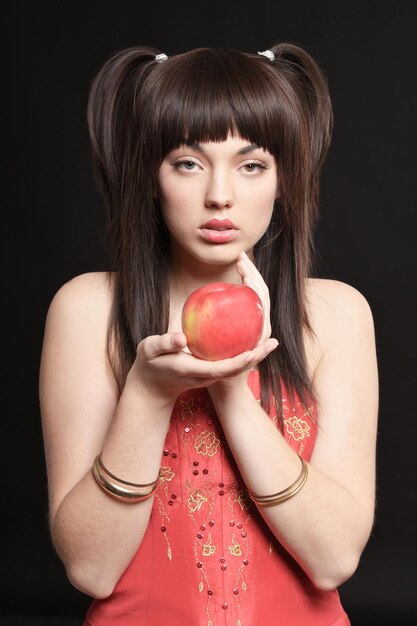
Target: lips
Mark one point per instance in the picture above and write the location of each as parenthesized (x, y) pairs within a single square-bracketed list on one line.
[(216, 224), (219, 231)]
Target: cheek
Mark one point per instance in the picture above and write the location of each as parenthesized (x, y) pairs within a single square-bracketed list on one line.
[(266, 196), (265, 189), (170, 201), (175, 197), (168, 213), (261, 218), (175, 213)]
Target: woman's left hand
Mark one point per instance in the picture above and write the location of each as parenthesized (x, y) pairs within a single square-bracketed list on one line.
[(252, 278)]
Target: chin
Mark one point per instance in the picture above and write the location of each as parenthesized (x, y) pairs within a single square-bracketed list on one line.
[(220, 258)]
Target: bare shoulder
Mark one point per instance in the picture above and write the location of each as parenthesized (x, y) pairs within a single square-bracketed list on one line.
[(79, 314), (329, 297), (77, 323), (92, 290), (336, 310)]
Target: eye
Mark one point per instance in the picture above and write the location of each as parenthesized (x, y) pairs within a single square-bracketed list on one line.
[(186, 165), (254, 167)]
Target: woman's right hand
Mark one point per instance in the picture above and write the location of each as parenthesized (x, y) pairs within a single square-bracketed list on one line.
[(165, 369)]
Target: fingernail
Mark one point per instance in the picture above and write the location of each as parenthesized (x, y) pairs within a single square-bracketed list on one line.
[(178, 339)]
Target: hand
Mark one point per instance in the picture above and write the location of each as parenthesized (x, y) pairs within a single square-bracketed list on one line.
[(165, 370), (252, 278)]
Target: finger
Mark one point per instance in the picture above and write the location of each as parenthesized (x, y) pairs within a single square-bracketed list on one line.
[(245, 361), (252, 278), (251, 273), (255, 280), (212, 370), (241, 270), (156, 345), (243, 267), (229, 367), (262, 350)]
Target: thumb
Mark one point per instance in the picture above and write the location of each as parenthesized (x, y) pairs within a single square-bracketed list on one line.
[(156, 345)]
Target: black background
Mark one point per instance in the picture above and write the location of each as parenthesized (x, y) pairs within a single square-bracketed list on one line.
[(54, 225)]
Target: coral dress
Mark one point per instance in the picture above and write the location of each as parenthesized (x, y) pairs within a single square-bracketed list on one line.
[(207, 557)]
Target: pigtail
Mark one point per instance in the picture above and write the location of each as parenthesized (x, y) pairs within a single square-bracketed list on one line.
[(315, 119), (111, 102), (116, 107), (306, 107), (310, 85)]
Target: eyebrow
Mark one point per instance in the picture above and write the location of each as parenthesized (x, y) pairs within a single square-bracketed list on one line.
[(250, 148)]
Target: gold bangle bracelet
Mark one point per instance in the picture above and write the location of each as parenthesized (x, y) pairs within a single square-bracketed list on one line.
[(118, 492), (120, 480), (285, 494), (282, 498), (117, 489)]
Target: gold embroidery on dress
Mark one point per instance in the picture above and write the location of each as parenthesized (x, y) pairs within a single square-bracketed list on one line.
[(240, 582), (208, 547), (243, 499), (195, 500), (187, 408), (274, 416), (235, 549), (202, 492), (164, 519), (309, 410), (165, 475), (297, 427), (240, 519), (301, 409), (206, 443)]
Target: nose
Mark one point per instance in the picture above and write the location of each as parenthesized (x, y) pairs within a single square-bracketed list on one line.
[(219, 192)]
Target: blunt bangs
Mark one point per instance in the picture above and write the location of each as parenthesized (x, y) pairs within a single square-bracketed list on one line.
[(206, 94)]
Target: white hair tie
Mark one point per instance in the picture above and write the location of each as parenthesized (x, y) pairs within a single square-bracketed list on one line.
[(160, 57), (268, 54)]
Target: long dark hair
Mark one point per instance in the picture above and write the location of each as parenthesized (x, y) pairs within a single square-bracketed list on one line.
[(139, 110)]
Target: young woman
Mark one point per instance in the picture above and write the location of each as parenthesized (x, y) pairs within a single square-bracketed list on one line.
[(185, 491)]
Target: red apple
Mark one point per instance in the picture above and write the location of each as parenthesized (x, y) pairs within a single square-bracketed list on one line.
[(221, 320)]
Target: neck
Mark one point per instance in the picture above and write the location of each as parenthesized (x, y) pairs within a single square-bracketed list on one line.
[(185, 280)]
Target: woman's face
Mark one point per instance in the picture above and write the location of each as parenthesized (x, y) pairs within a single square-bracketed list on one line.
[(217, 199)]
